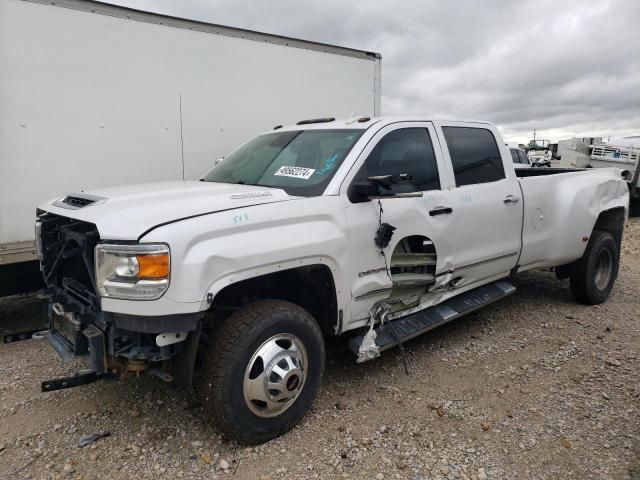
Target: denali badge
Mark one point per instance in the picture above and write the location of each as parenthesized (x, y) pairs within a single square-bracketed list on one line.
[(372, 271), (239, 196)]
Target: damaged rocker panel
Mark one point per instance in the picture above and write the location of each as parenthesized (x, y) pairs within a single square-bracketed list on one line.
[(390, 333)]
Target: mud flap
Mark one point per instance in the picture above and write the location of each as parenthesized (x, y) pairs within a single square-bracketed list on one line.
[(183, 364)]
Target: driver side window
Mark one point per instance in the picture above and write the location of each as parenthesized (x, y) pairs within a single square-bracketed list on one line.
[(406, 150)]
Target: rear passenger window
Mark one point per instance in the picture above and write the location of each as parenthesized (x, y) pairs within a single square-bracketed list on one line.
[(514, 156), (406, 150), (474, 155)]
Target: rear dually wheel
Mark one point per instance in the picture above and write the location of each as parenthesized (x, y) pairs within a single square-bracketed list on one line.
[(592, 277)]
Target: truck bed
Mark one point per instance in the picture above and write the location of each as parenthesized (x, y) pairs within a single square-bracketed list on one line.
[(559, 211)]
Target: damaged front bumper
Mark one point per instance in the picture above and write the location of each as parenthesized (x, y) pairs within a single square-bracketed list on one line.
[(113, 344), (116, 345)]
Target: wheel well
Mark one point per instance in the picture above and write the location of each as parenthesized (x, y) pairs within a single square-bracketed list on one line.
[(311, 287), (612, 221)]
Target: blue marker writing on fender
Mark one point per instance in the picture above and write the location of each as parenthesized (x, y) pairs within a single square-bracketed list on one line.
[(240, 219)]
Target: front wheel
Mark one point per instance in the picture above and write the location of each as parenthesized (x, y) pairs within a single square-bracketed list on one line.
[(593, 276), (262, 371)]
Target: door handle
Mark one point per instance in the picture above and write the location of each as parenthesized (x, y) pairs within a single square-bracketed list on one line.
[(511, 199), (440, 211)]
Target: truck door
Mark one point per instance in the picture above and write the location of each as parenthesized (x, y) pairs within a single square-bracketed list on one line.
[(485, 203), (407, 269)]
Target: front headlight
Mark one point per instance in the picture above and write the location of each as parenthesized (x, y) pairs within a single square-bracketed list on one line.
[(133, 272)]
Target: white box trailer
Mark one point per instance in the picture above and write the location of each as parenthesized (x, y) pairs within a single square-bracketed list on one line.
[(93, 95)]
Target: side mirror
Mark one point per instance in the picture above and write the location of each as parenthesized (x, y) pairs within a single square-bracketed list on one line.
[(380, 187), (217, 161), (363, 190), (388, 181)]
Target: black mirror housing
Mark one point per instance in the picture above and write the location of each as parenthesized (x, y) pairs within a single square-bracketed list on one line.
[(361, 191), (378, 186)]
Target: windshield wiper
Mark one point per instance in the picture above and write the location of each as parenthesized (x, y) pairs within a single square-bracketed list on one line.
[(239, 182)]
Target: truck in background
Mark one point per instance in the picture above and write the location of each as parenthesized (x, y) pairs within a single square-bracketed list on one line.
[(539, 153), (96, 95), (622, 153)]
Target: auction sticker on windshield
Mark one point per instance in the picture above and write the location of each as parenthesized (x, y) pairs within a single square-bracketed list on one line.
[(296, 172)]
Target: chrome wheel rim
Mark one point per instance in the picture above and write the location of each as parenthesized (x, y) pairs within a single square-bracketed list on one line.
[(275, 375), (604, 269)]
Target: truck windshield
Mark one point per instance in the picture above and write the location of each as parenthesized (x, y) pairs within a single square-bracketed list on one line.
[(300, 162)]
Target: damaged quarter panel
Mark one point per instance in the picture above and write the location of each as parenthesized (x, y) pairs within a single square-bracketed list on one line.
[(249, 242), (560, 211)]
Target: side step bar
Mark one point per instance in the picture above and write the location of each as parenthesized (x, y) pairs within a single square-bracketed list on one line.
[(412, 325)]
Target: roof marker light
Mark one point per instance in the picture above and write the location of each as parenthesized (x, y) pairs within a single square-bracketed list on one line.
[(316, 120)]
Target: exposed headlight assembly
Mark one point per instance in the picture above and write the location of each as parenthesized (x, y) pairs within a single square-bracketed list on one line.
[(133, 272), (39, 240)]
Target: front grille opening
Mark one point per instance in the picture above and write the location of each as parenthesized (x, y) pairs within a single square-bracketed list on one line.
[(67, 260), (76, 277)]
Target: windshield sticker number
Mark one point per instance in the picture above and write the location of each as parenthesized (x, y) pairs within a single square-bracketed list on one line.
[(295, 172)]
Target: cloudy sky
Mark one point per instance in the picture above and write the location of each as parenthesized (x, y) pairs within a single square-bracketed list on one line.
[(566, 68)]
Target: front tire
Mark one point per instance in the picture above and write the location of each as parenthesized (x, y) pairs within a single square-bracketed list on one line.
[(593, 276), (262, 370)]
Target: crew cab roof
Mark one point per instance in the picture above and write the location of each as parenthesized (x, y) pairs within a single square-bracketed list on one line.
[(361, 122)]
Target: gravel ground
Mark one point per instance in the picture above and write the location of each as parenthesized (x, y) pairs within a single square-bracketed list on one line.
[(535, 386)]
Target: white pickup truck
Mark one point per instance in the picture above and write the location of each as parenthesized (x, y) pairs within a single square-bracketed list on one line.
[(378, 229)]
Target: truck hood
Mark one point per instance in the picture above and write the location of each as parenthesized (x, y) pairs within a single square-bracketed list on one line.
[(127, 213)]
